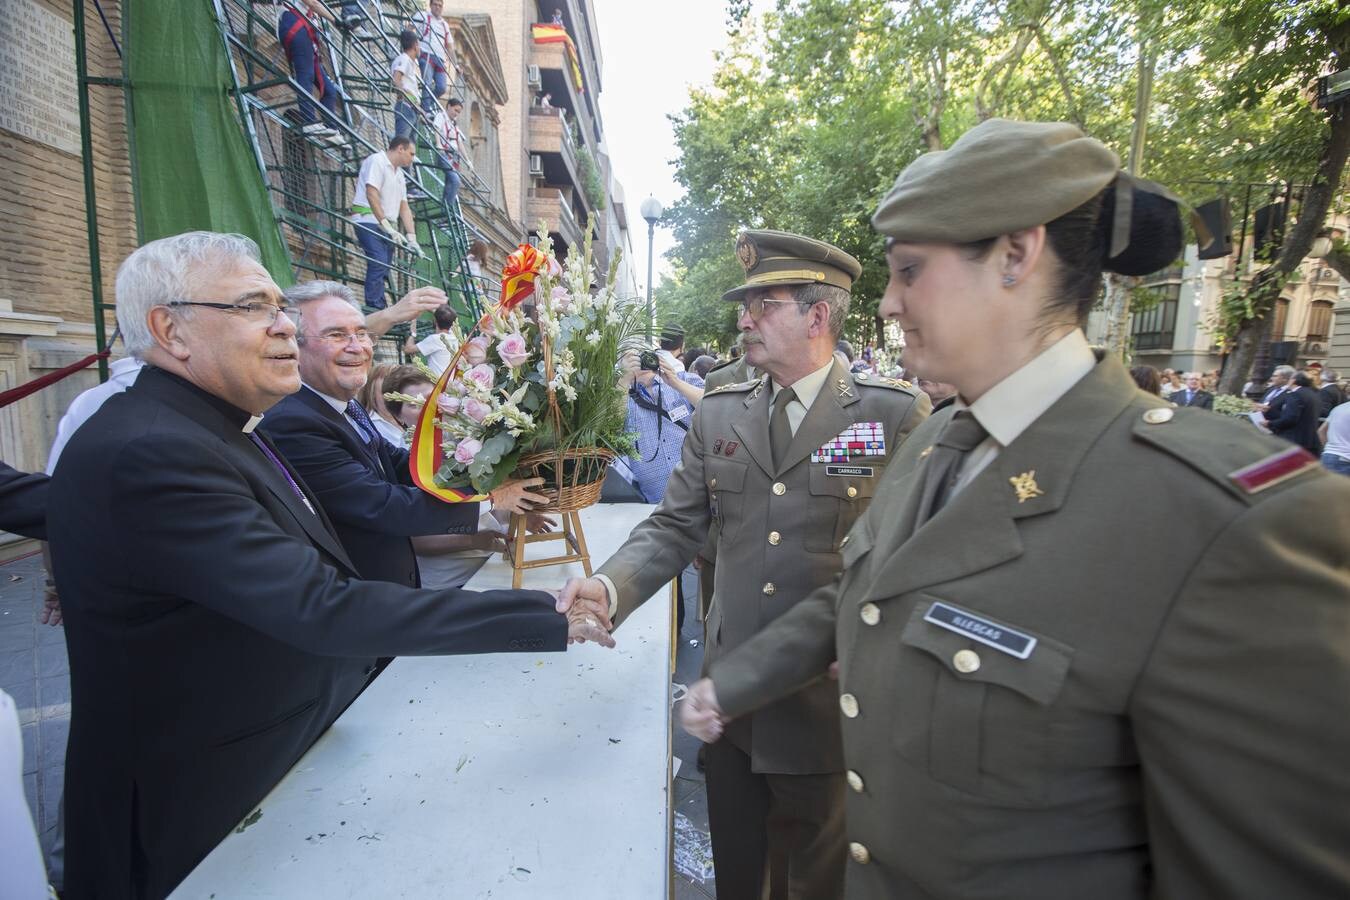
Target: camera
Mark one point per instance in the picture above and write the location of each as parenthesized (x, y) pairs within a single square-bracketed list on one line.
[(648, 361)]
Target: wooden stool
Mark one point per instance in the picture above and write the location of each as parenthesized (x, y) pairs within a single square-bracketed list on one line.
[(517, 538)]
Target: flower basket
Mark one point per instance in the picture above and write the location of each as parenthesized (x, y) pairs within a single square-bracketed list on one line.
[(530, 392)]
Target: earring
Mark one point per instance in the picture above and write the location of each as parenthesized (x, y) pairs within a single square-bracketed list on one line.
[(1009, 281)]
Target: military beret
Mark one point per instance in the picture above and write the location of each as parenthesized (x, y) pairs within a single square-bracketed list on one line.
[(771, 258), (1000, 176)]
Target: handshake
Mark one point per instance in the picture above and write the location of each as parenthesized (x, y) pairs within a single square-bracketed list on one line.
[(585, 602)]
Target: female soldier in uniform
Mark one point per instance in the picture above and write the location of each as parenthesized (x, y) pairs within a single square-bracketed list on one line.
[(1089, 645)]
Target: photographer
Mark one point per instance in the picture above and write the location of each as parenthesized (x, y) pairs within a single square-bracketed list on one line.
[(661, 402)]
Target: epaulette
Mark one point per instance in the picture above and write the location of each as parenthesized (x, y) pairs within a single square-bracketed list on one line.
[(739, 387), (898, 384), (1230, 453)]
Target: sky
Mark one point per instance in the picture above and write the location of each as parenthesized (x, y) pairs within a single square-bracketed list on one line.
[(652, 55)]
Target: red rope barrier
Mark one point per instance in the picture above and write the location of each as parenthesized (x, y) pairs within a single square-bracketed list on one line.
[(13, 395)]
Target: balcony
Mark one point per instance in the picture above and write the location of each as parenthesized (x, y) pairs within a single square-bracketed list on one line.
[(549, 134), (555, 79), (553, 206)]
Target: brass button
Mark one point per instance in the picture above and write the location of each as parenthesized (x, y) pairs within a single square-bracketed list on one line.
[(1158, 416), (852, 492), (966, 661), (855, 781), (860, 854), (775, 538), (844, 542), (779, 488), (769, 588), (713, 484), (871, 613), (924, 452), (849, 705)]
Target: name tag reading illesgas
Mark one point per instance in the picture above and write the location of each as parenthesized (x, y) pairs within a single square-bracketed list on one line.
[(977, 628)]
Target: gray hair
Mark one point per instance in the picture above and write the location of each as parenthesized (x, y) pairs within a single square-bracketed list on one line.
[(309, 291), (166, 270), (1286, 371), (1328, 376), (836, 297)]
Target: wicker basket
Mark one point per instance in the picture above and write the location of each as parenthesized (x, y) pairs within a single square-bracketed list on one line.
[(572, 478)]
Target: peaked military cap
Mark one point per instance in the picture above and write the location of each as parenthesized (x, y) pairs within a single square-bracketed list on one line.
[(771, 258), (1000, 176)]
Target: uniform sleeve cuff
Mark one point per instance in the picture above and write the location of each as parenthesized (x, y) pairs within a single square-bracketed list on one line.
[(612, 592)]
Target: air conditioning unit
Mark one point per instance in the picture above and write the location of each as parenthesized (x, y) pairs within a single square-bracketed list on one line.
[(536, 164), (532, 76)]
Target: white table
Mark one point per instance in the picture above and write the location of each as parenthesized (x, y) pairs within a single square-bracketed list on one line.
[(535, 775)]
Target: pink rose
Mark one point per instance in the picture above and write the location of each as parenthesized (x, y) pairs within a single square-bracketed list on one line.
[(561, 299), (512, 350), (481, 375), (447, 404), (466, 450), (475, 351), (475, 409)]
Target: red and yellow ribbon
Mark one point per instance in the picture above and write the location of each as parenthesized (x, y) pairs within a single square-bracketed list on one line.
[(427, 455)]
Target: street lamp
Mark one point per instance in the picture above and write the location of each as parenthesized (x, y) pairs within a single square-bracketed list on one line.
[(651, 211)]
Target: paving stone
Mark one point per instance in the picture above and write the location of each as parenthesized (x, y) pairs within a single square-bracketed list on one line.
[(16, 636), (51, 635), (25, 699), (18, 666), (30, 736), (54, 733), (52, 660), (53, 696)]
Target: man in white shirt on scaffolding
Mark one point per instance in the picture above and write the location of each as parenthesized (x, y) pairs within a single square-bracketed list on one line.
[(450, 146), (438, 53)]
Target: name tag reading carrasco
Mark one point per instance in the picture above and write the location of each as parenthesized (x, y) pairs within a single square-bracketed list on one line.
[(850, 471), (1000, 637)]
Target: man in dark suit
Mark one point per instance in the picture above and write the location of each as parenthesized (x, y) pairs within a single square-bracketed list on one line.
[(362, 481), (1296, 419), (1192, 395), (1281, 383), (1330, 393), (215, 624), (23, 502)]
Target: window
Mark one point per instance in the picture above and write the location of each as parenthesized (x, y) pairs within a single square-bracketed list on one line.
[(1319, 321), (1155, 327), (1281, 316)]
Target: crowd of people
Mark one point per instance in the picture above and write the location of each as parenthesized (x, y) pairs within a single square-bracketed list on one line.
[(956, 643)]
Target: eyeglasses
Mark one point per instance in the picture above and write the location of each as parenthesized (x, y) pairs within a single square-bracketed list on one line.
[(755, 306), (257, 311), (339, 338)]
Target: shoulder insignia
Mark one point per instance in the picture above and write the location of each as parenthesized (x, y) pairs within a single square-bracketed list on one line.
[(1273, 469), (898, 384), (1159, 415), (737, 387)]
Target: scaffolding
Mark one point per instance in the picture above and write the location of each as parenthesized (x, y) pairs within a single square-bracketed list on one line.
[(309, 179)]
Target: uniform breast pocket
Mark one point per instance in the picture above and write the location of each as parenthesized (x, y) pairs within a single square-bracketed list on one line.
[(977, 717), (838, 498), (725, 480)]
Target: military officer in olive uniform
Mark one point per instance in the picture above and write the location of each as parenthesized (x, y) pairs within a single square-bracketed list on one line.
[(1090, 646), (784, 464), (730, 372)]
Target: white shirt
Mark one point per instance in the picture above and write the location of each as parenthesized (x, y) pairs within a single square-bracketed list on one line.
[(1011, 406), (1338, 431), (449, 138), (386, 178), (807, 388), (437, 353), (433, 35), (406, 66), (121, 375), (20, 856), (390, 431)]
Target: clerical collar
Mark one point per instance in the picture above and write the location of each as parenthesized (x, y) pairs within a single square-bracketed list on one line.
[(244, 421)]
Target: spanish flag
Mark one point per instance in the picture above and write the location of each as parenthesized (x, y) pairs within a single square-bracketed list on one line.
[(557, 34), (427, 456)]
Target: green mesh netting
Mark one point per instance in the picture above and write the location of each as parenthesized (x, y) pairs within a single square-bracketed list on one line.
[(193, 169)]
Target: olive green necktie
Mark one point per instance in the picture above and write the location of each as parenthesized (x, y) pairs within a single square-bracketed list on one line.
[(962, 434), (780, 430)]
